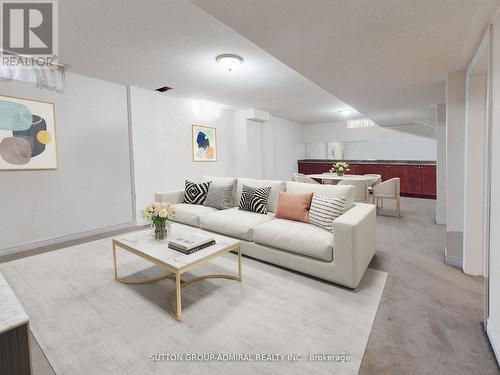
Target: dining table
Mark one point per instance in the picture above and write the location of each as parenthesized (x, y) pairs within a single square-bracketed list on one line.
[(335, 178)]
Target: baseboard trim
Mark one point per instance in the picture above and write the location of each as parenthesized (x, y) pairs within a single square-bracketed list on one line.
[(440, 220), (453, 253), (493, 340), (62, 239), (453, 262)]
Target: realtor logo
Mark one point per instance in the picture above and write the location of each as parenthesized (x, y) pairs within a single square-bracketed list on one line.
[(29, 27)]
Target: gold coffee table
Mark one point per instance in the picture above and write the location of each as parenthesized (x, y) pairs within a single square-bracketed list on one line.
[(142, 244)]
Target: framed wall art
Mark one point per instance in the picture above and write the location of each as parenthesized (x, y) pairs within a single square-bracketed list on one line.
[(204, 143), (27, 134)]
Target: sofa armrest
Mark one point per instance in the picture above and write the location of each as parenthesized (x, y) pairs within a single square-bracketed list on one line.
[(354, 241), (173, 196)]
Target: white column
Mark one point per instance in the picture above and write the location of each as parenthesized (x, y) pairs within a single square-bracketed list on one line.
[(254, 149), (493, 323), (240, 143), (268, 150), (441, 163), (455, 144), (247, 136), (475, 162)]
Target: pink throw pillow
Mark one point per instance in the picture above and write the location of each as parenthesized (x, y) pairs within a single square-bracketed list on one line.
[(294, 206)]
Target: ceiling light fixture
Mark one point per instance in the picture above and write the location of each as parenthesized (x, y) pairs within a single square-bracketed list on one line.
[(229, 61), (345, 112), (360, 123)]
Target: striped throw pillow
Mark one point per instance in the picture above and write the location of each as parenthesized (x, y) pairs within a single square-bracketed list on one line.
[(254, 199), (324, 210)]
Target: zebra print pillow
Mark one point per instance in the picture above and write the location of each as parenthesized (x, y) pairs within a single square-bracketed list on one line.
[(195, 193), (254, 199)]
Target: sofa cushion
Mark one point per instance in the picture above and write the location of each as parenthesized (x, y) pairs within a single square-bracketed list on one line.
[(276, 187), (190, 213), (329, 191), (234, 222), (296, 237)]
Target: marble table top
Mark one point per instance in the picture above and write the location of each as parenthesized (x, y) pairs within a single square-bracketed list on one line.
[(143, 242), (12, 314)]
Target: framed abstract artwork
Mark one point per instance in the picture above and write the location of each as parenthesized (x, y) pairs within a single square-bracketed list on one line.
[(204, 143), (27, 134)]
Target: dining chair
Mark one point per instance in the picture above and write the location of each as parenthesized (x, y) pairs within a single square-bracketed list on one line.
[(375, 179), (389, 189), (360, 189), (300, 177)]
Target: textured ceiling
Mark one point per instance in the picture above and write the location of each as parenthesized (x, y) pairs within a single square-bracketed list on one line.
[(386, 58), (153, 43)]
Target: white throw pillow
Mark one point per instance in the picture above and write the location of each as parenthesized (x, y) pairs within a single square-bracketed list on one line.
[(325, 210)]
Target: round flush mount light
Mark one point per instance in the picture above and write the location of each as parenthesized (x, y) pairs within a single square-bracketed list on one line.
[(229, 61), (346, 112)]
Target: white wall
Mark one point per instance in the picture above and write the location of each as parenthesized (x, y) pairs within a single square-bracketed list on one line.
[(91, 189), (372, 143), (493, 324), (288, 148), (455, 145), (161, 132), (316, 150), (441, 163)]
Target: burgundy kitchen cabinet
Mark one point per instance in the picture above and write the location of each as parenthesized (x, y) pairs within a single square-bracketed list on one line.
[(354, 169), (413, 183), (383, 170), (400, 171), (429, 181), (417, 180), (368, 168)]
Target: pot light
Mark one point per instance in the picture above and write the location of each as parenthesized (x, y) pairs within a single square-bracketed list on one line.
[(229, 61), (346, 112)]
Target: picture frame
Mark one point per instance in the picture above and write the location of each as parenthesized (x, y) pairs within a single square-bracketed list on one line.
[(204, 143), (28, 138)]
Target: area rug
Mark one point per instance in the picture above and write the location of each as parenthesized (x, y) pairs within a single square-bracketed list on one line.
[(275, 321)]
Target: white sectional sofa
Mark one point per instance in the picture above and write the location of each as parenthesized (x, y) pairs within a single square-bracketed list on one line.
[(341, 257)]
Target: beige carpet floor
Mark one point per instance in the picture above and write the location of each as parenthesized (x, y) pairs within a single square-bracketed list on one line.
[(87, 323), (430, 317)]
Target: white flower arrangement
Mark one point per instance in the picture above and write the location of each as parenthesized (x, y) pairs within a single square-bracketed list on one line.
[(158, 210), (340, 168), (158, 213)]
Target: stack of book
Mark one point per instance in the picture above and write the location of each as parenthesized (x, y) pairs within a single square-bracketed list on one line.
[(188, 243)]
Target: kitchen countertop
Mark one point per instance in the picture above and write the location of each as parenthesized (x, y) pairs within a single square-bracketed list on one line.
[(12, 314), (368, 161)]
